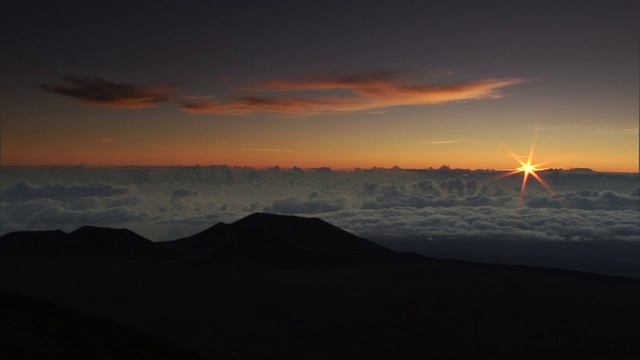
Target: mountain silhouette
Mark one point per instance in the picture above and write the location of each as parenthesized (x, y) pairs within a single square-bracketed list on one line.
[(284, 287), (305, 233), (87, 240), (282, 240), (93, 240)]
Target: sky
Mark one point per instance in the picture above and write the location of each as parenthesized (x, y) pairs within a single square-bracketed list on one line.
[(340, 84)]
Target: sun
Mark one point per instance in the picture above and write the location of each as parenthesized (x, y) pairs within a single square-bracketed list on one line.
[(527, 169)]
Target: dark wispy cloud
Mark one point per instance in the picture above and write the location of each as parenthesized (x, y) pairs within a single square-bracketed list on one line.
[(364, 91), (99, 92)]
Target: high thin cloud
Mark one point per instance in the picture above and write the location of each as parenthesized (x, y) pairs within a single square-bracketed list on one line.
[(98, 140), (367, 91), (443, 142), (266, 150), (99, 92)]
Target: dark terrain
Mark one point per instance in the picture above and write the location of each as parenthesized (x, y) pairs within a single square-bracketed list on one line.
[(36, 329), (284, 287)]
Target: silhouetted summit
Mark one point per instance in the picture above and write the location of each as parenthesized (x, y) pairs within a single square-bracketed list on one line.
[(107, 241), (281, 240), (87, 240), (304, 233)]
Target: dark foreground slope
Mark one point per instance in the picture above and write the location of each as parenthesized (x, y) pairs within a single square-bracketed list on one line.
[(37, 329), (609, 257), (382, 306), (31, 242)]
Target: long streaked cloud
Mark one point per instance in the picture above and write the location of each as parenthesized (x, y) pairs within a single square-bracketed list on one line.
[(99, 92), (366, 91)]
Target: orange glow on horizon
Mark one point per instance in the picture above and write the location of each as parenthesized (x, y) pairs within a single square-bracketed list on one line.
[(340, 156), (257, 162)]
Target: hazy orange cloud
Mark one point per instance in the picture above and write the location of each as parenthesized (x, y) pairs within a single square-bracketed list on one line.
[(266, 150), (444, 142), (98, 140), (372, 90), (98, 92), (239, 105)]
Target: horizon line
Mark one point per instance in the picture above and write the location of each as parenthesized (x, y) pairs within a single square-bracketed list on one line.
[(430, 168)]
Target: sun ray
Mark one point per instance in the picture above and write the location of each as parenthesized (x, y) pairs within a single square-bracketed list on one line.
[(531, 149), (523, 187), (544, 183)]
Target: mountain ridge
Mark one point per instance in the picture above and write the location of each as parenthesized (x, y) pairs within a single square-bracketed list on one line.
[(263, 294), (281, 240), (257, 239), (86, 240), (305, 232)]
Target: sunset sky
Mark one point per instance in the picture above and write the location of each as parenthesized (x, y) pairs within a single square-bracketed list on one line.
[(342, 84)]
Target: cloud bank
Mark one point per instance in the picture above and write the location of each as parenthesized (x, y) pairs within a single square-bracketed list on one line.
[(167, 203)]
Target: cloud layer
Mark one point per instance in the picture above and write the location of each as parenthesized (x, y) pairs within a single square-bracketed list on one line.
[(167, 203)]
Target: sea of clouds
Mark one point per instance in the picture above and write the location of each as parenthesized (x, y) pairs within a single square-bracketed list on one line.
[(166, 203)]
